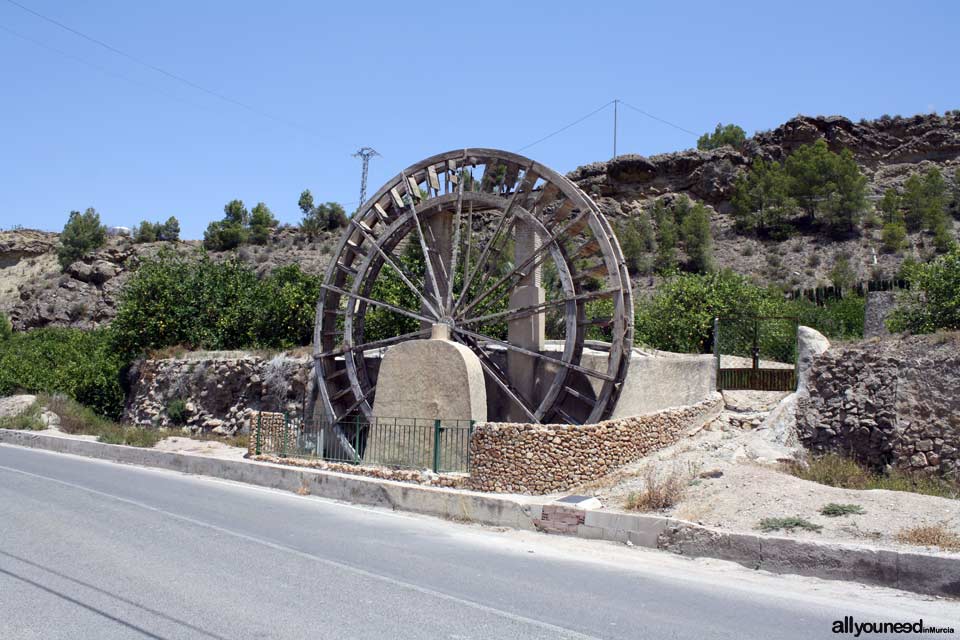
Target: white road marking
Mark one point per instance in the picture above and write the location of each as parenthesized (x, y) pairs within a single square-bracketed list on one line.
[(565, 632)]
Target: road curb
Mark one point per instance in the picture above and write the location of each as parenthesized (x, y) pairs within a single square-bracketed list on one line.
[(931, 574)]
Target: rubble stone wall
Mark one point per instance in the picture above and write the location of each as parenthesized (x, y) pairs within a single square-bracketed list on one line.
[(538, 459), (892, 402), (222, 390)]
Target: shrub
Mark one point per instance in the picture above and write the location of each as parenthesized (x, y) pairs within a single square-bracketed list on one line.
[(28, 420), (787, 524), (842, 274), (933, 300), (82, 233), (697, 239), (78, 419), (894, 236), (660, 490), (729, 134), (838, 471), (834, 510), (177, 411), (936, 535), (194, 301), (80, 364), (6, 327)]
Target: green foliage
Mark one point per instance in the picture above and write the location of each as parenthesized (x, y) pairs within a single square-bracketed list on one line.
[(842, 274), (933, 300), (829, 187), (890, 206), (27, 420), (262, 223), (697, 239), (835, 470), (925, 201), (838, 319), (177, 411), (78, 419), (894, 237), (239, 226), (788, 524), (194, 301), (637, 243), (80, 364), (82, 233), (325, 217), (835, 510), (666, 256), (729, 134), (762, 200), (679, 317), (6, 328), (148, 231)]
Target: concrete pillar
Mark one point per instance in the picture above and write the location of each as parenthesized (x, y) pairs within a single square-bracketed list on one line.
[(529, 331)]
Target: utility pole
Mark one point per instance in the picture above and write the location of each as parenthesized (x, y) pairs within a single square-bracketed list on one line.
[(364, 153), (615, 102)]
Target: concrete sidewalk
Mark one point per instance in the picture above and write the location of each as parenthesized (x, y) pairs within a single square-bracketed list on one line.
[(928, 573)]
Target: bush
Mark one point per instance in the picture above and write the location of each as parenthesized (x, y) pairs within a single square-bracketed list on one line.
[(679, 317), (28, 420), (325, 217), (894, 237), (177, 411), (168, 231), (697, 239), (6, 327), (660, 490), (196, 302), (787, 524), (729, 134), (80, 364), (82, 233), (835, 510), (78, 419), (933, 299)]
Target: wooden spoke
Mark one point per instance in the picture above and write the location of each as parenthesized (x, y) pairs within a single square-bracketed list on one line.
[(379, 303), (375, 344), (507, 216), (539, 255), (513, 347), (501, 379), (363, 397), (452, 275), (400, 272), (512, 314), (424, 248)]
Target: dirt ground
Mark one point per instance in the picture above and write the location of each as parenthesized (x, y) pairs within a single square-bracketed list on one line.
[(736, 479)]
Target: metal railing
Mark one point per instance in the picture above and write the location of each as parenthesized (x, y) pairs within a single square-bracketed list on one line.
[(409, 443)]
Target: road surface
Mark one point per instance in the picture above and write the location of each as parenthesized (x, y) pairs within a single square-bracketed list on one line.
[(91, 549)]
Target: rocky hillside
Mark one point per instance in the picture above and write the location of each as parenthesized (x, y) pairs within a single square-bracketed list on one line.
[(888, 151), (34, 291)]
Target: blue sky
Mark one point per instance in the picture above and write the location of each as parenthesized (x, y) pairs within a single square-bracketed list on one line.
[(411, 80)]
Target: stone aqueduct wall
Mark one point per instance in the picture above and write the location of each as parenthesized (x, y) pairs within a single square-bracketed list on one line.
[(532, 458), (887, 402)]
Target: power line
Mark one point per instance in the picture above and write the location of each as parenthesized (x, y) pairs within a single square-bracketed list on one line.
[(95, 66), (650, 115), (169, 74), (562, 129)]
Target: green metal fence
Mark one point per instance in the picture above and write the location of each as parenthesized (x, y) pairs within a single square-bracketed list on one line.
[(756, 353), (440, 445)]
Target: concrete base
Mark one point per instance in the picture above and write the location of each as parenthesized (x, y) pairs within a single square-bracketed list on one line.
[(421, 381)]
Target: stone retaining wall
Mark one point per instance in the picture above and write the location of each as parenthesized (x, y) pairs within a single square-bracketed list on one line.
[(887, 402), (222, 390), (538, 459)]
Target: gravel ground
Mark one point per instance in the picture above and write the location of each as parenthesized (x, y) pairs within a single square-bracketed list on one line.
[(736, 479)]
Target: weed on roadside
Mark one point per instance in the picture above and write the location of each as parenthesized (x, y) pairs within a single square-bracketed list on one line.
[(835, 510), (787, 524), (838, 471), (28, 420), (936, 535)]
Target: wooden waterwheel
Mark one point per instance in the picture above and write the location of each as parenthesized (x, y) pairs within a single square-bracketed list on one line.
[(440, 243)]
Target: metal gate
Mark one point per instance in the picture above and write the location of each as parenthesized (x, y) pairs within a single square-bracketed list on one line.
[(756, 353)]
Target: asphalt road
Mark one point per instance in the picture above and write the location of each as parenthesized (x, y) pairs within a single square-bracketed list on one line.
[(90, 549)]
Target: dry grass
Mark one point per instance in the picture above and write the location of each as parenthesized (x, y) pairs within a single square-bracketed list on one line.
[(78, 419), (838, 471), (931, 535), (660, 490), (28, 420)]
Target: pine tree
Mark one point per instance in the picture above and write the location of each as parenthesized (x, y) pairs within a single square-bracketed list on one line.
[(697, 239)]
